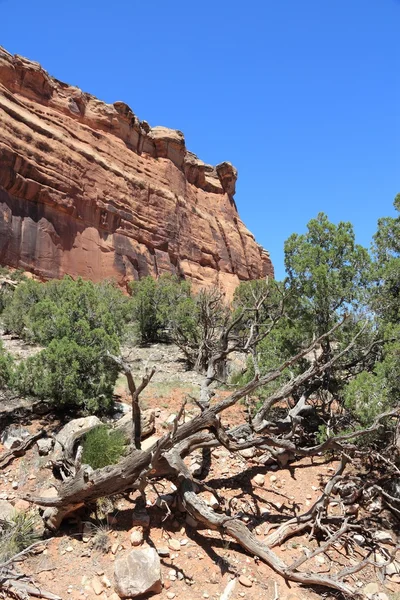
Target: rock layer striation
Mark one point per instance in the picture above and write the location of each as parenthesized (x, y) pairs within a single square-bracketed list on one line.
[(87, 189)]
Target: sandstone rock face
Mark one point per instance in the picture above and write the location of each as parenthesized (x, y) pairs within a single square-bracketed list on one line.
[(87, 189)]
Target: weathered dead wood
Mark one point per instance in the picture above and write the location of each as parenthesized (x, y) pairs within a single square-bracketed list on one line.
[(22, 588), (8, 457), (237, 530), (135, 392), (20, 585)]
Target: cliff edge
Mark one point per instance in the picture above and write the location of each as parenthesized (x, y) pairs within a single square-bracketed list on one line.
[(88, 189)]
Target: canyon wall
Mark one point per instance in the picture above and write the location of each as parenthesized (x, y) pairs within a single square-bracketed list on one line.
[(87, 189)]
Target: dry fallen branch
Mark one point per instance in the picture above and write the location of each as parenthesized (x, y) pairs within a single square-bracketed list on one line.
[(205, 431), (20, 450)]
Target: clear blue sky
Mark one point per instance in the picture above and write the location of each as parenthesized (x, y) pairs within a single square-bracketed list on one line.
[(302, 97)]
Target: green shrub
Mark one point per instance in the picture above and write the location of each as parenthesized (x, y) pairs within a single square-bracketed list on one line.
[(17, 534), (103, 446), (69, 375), (42, 312), (6, 367), (155, 303)]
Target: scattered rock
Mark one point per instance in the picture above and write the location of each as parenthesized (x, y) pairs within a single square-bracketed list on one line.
[(211, 500), (174, 544), (7, 510), (137, 573), (245, 581), (359, 539), (163, 551), (248, 452), (370, 589), (382, 536), (97, 586), (21, 505), (136, 536), (259, 479), (392, 568), (45, 446)]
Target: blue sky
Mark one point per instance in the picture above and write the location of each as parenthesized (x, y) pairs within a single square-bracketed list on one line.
[(302, 97)]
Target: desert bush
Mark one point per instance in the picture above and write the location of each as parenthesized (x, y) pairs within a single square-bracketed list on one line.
[(6, 367), (69, 375), (103, 446), (155, 303), (42, 312), (17, 534)]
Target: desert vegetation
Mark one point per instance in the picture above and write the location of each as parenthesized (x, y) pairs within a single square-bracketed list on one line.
[(318, 373)]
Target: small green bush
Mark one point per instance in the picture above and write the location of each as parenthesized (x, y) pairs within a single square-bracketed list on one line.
[(6, 367), (103, 446), (17, 534)]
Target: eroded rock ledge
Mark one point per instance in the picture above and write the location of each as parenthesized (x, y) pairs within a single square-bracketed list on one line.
[(88, 189)]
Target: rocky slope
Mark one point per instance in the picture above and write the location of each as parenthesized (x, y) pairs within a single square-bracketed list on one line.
[(88, 189)]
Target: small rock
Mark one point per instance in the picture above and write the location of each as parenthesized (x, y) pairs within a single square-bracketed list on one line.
[(370, 589), (184, 542), (174, 544), (259, 479), (136, 537), (211, 500), (248, 452), (14, 485), (170, 595), (382, 536), (21, 505), (45, 446), (320, 560), (359, 539), (392, 568), (163, 551), (97, 586), (273, 478), (245, 581), (114, 548)]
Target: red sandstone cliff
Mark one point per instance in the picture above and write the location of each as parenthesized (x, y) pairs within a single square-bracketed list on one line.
[(88, 189)]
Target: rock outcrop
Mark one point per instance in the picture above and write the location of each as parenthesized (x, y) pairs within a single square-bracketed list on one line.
[(87, 189)]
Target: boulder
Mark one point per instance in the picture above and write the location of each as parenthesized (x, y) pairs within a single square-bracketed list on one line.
[(137, 573)]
